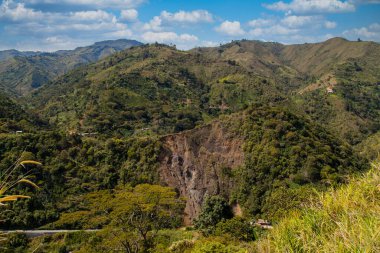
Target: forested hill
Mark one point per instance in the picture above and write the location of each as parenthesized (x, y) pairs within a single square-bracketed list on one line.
[(22, 72), (254, 158), (164, 90), (14, 118)]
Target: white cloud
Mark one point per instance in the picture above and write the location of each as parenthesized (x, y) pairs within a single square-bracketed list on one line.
[(330, 25), (172, 37), (281, 30), (18, 12), (121, 33), (274, 30), (231, 28), (261, 22), (299, 21), (366, 1), (167, 19), (129, 15), (375, 27), (91, 16), (361, 32), (55, 29), (154, 24), (113, 4), (197, 16), (371, 32), (256, 32), (54, 43), (312, 6)]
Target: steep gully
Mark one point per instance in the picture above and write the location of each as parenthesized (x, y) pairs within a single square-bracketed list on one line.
[(195, 163)]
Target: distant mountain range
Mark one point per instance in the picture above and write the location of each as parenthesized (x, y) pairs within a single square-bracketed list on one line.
[(22, 72), (8, 54)]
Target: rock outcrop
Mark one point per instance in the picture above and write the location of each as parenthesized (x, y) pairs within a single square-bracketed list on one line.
[(199, 162)]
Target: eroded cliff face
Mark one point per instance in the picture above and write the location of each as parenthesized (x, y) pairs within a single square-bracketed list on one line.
[(198, 162)]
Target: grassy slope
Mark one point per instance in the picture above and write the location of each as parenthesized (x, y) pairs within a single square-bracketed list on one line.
[(352, 70), (342, 220)]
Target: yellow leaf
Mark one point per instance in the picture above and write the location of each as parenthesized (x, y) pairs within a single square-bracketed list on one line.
[(28, 182), (27, 162), (13, 198)]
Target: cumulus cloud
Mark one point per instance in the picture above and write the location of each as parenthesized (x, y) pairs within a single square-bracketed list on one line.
[(91, 16), (313, 6), (372, 32), (129, 15), (291, 28), (154, 24), (366, 1), (261, 22), (167, 19), (290, 22), (273, 30), (18, 11), (197, 16), (330, 25), (299, 21), (231, 28), (164, 37), (114, 4), (55, 29)]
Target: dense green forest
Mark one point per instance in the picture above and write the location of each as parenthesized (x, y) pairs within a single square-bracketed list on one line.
[(112, 135)]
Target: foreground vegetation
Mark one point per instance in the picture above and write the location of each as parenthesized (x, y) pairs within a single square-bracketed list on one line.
[(345, 219), (285, 156), (342, 220)]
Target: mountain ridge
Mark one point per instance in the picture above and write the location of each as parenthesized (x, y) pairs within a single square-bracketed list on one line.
[(225, 79), (24, 72)]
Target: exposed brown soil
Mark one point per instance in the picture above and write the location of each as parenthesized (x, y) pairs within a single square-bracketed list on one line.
[(197, 162)]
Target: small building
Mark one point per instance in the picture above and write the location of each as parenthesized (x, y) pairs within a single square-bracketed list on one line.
[(263, 224), (330, 90)]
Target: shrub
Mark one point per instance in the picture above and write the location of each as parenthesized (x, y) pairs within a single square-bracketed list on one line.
[(214, 210), (217, 247), (181, 246), (237, 228), (16, 240)]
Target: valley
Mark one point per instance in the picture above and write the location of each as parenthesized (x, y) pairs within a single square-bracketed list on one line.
[(262, 125)]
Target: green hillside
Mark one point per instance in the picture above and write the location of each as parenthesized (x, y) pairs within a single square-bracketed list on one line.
[(283, 152), (165, 90)]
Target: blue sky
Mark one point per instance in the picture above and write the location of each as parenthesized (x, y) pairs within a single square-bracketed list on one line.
[(49, 25)]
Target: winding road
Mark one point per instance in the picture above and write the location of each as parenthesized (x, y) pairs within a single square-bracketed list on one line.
[(35, 233)]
